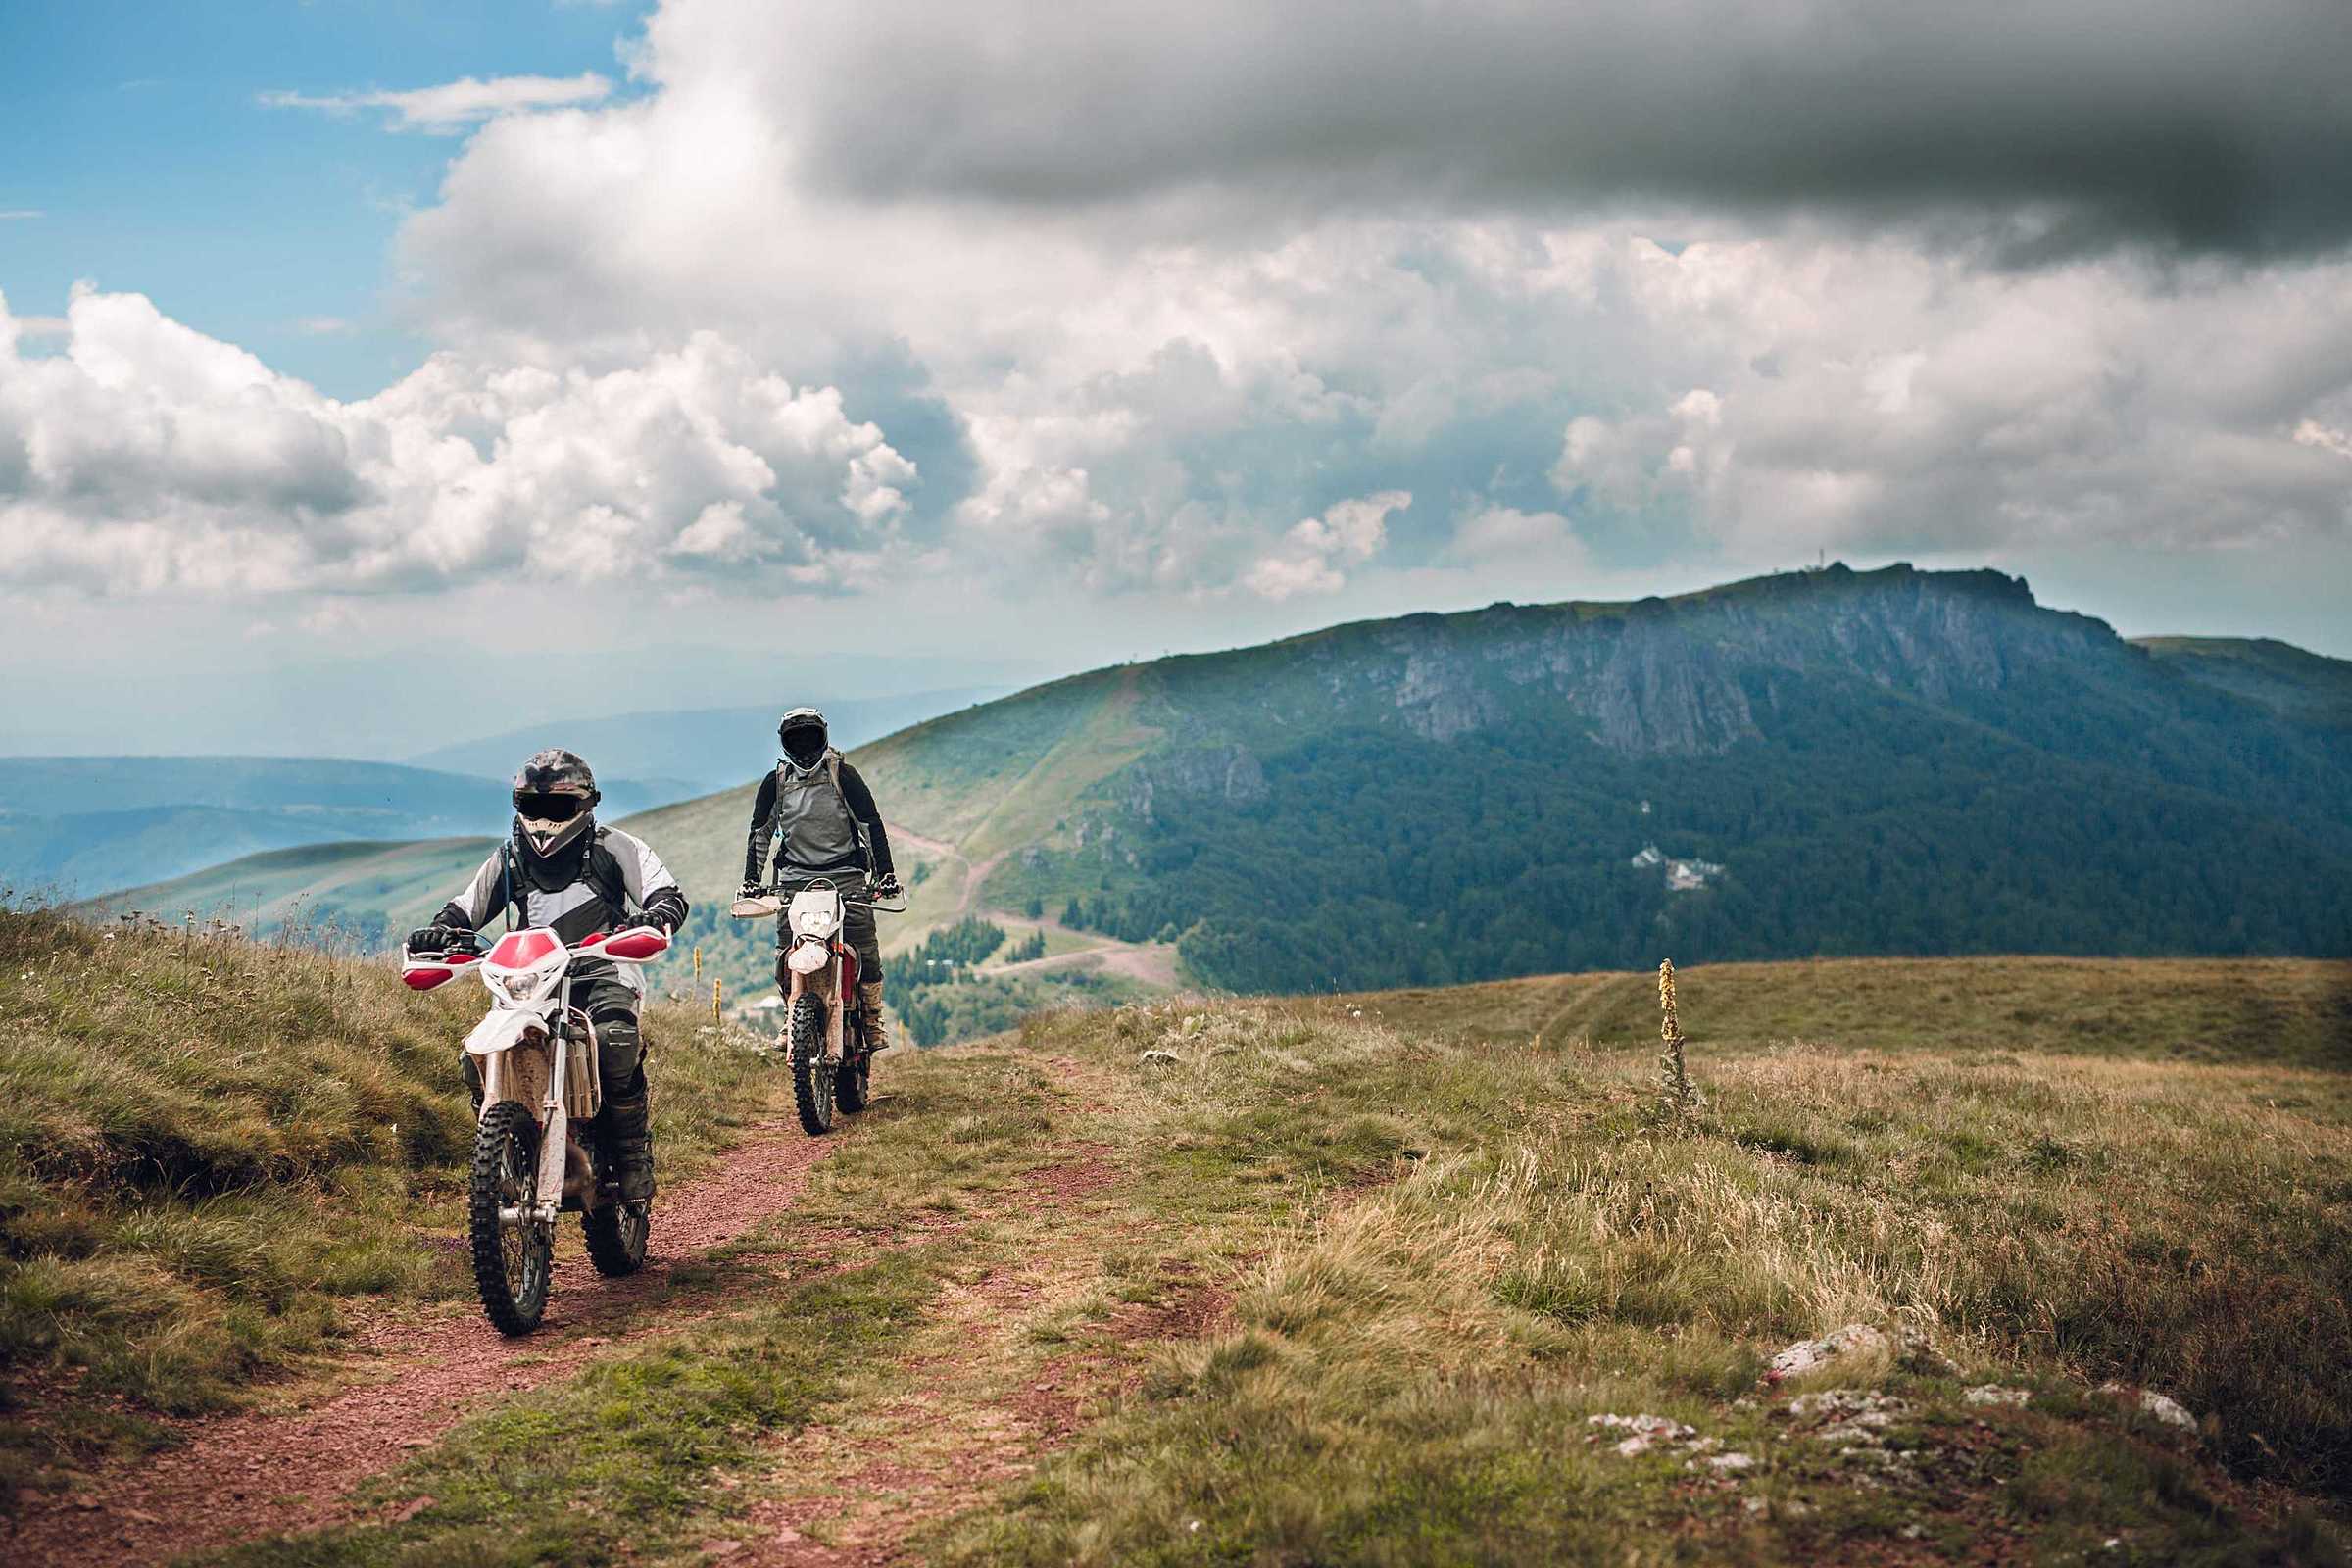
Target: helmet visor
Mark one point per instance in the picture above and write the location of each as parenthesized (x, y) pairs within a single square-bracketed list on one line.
[(548, 808)]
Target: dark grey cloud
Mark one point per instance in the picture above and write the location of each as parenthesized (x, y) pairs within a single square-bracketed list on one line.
[(2047, 125)]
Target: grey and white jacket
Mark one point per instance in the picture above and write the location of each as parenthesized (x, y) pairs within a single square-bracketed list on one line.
[(590, 885)]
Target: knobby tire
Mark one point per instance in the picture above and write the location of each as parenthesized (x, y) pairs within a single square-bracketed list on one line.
[(514, 1306), (813, 1077)]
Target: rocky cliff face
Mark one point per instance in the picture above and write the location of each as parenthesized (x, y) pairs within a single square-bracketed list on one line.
[(1675, 677)]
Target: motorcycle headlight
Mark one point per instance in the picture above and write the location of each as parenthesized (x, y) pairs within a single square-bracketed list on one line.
[(517, 986)]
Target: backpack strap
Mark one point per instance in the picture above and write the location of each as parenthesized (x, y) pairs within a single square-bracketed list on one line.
[(519, 910), (602, 869), (865, 849)]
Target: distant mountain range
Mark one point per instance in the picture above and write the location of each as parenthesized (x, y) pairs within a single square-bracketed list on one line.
[(86, 823), (1814, 763), (81, 826), (701, 749)]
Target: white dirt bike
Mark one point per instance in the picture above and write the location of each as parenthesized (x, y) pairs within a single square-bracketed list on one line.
[(537, 1055), (826, 1033)]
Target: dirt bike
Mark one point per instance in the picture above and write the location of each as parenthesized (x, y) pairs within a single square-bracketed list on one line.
[(537, 1055), (826, 1033)]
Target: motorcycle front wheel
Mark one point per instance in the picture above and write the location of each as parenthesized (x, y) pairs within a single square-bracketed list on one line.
[(811, 1074), (513, 1252)]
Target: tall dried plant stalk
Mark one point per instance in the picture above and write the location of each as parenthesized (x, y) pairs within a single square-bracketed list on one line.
[(1680, 1097)]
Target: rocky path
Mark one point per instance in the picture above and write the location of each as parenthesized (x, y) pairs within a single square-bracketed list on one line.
[(410, 1380)]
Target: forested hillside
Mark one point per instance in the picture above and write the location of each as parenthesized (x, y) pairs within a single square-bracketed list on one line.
[(1833, 762)]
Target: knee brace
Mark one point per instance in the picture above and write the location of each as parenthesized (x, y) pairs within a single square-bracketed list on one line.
[(621, 1054)]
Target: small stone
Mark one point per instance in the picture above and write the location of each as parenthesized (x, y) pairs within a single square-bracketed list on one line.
[(1807, 1355), (2162, 1407), (1995, 1394), (1728, 1462), (411, 1509), (1168, 1056), (721, 1548)]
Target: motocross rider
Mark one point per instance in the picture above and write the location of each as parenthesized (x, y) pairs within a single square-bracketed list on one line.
[(824, 824), (560, 868)]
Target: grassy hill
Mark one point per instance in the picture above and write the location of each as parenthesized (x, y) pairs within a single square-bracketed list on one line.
[(1207, 1281), (357, 897), (212, 1150)]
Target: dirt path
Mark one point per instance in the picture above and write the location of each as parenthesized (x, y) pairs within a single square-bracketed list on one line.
[(977, 1400), (251, 1473), (974, 875), (1151, 963)]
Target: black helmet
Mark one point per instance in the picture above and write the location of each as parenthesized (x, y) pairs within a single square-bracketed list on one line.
[(802, 734), (555, 794)]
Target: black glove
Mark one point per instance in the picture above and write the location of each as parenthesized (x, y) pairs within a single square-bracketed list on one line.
[(886, 886), (668, 911), (749, 890), (434, 939)]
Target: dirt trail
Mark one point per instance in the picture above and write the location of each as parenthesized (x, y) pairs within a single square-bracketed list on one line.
[(252, 1473), (973, 1406), (974, 874)]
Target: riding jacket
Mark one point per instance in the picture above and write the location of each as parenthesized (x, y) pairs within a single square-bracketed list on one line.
[(821, 819), (587, 885)]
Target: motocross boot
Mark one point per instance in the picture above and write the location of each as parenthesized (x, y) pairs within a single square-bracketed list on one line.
[(869, 1001), (629, 1126)]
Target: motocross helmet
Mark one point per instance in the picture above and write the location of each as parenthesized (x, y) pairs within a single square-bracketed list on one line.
[(554, 796), (802, 736)]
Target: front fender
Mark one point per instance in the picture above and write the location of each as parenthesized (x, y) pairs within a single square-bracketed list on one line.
[(501, 1030)]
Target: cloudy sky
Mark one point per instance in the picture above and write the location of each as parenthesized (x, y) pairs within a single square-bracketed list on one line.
[(669, 350)]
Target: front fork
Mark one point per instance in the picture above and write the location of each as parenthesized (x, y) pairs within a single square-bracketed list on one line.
[(825, 985), (554, 1109)]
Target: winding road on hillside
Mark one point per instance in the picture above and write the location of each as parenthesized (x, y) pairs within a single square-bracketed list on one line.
[(1151, 963)]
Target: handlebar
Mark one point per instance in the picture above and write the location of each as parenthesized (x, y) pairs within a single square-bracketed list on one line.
[(767, 900)]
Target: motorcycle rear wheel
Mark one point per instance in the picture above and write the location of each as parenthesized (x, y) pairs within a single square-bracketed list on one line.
[(852, 1087), (616, 1233), (514, 1258), (813, 1076)]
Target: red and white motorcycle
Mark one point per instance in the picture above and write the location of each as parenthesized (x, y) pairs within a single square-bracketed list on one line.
[(537, 1055), (825, 1031)]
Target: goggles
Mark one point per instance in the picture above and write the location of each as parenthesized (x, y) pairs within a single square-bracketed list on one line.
[(543, 808)]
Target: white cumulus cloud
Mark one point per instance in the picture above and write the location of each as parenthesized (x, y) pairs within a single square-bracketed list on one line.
[(147, 456), (1316, 551)]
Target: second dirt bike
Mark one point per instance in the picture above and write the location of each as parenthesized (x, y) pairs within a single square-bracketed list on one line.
[(827, 1032)]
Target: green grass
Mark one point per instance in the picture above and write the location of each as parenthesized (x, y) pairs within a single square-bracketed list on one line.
[(2187, 1009), (1407, 1377), (208, 1148)]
